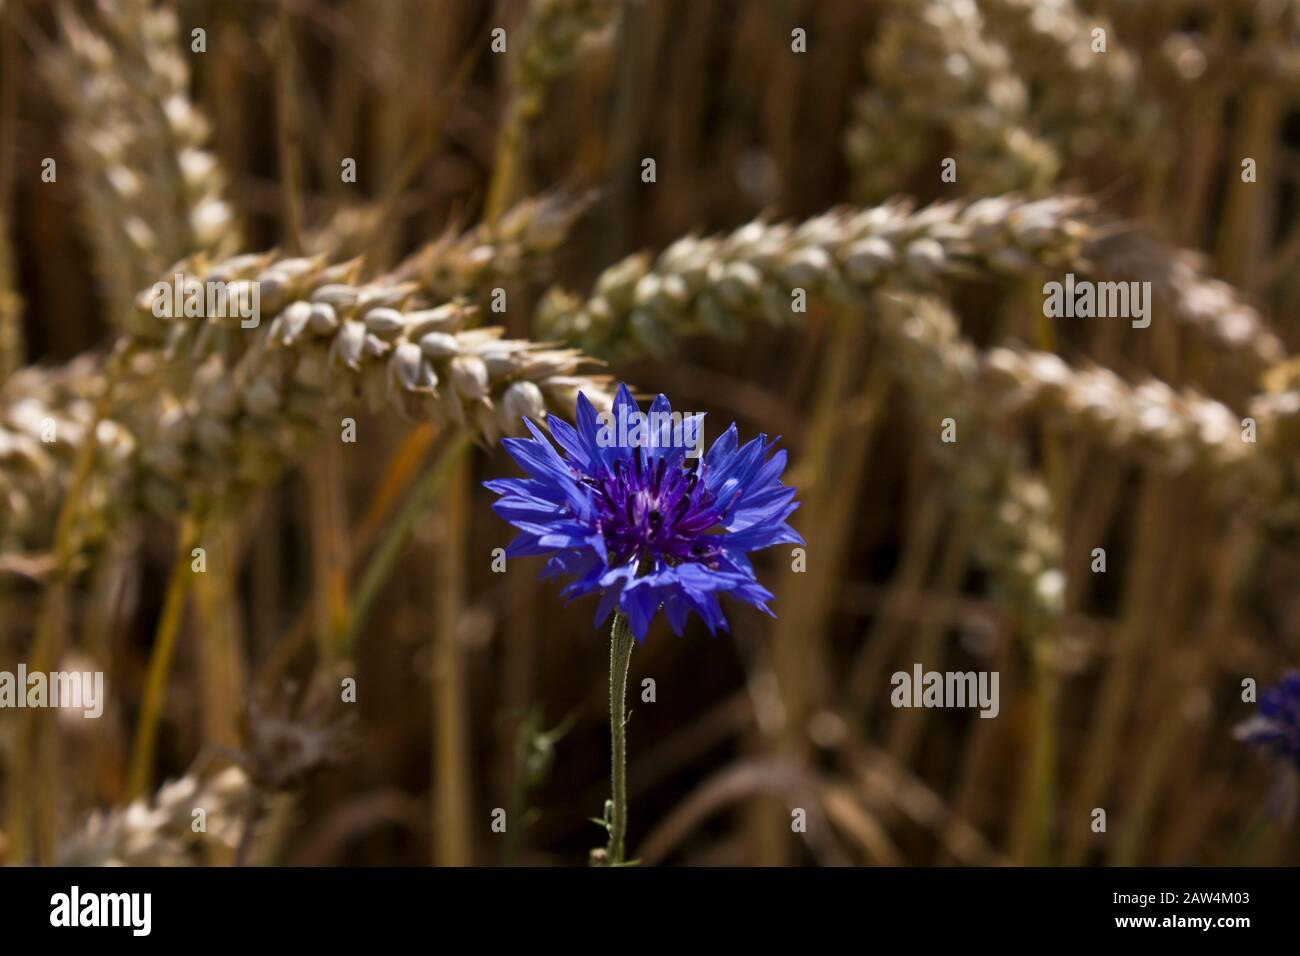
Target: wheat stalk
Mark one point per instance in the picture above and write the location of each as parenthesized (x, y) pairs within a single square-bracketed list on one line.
[(45, 416), (969, 88), (173, 398), (12, 345), (242, 421), (161, 831), (548, 43), (153, 192), (516, 247), (12, 342), (715, 284), (1176, 431), (554, 32), (1093, 102), (1006, 503)]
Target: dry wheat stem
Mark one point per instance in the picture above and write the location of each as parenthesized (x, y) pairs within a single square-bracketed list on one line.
[(12, 342), (548, 43)]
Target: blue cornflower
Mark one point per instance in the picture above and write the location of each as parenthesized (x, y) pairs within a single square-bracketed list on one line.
[(1276, 728), (634, 519)]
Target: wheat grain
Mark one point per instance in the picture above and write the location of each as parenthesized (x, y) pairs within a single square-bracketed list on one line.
[(1014, 84), (1276, 412)]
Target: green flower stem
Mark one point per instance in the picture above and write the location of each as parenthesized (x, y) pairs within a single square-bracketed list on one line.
[(620, 656)]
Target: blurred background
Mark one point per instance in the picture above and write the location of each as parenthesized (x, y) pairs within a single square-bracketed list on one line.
[(198, 130)]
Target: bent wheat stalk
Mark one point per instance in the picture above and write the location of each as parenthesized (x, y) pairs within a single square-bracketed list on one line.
[(179, 365), (1178, 432), (717, 284)]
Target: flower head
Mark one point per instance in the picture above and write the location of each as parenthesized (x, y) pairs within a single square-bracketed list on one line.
[(1276, 728), (630, 515)]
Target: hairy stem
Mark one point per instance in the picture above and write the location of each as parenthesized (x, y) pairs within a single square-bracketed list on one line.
[(620, 656)]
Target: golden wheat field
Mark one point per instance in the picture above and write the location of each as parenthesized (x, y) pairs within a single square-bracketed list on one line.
[(330, 535)]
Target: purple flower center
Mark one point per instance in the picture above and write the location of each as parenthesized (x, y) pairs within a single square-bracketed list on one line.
[(656, 512)]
